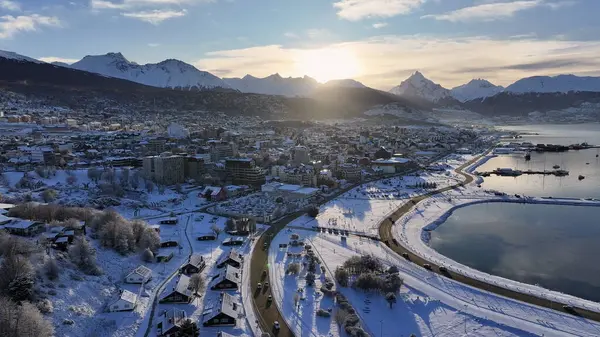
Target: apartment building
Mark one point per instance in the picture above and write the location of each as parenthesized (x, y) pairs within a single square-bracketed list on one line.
[(166, 170), (243, 171)]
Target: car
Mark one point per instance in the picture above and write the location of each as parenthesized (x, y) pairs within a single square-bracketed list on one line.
[(259, 286), (276, 325), (405, 255), (443, 269), (427, 266), (270, 298), (570, 310), (266, 284)]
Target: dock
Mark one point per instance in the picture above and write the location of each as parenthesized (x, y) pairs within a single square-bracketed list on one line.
[(516, 173)]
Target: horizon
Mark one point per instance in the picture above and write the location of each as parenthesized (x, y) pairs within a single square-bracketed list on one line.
[(378, 43)]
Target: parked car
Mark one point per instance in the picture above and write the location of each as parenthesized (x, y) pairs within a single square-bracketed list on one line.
[(427, 266), (259, 286), (276, 325)]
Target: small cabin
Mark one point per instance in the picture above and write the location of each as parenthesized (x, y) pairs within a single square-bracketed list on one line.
[(233, 241), (169, 243), (141, 274), (126, 302), (195, 265), (228, 279), (164, 258), (61, 243), (233, 258), (169, 323), (169, 221), (181, 293), (207, 236), (24, 227), (225, 313)]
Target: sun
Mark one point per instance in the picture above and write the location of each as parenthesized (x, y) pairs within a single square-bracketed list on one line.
[(327, 64)]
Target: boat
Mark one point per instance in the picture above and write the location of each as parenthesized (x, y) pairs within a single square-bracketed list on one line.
[(561, 173), (556, 167), (528, 156), (581, 177)]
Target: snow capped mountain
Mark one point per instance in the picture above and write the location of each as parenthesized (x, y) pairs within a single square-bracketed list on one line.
[(478, 88), (346, 83), (60, 64), (419, 86), (166, 74), (274, 85), (14, 56), (560, 83)]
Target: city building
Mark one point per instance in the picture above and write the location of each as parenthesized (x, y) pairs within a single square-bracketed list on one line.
[(243, 171), (166, 170), (350, 172), (300, 155), (194, 168)]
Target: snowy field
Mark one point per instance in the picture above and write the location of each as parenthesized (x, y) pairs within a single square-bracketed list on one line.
[(431, 305)]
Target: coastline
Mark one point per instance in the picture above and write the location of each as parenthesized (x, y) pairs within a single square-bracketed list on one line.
[(409, 234)]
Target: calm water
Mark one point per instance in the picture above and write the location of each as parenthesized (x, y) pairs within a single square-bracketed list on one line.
[(576, 162), (553, 246), (550, 245)]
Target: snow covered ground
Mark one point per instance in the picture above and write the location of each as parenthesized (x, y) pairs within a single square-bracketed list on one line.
[(431, 305)]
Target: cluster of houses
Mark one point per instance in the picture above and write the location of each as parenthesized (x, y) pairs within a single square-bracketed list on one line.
[(222, 313)]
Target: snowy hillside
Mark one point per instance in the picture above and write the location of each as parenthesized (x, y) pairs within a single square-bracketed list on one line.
[(14, 56), (274, 85), (60, 64), (560, 83), (478, 88), (419, 86), (166, 74), (346, 83)]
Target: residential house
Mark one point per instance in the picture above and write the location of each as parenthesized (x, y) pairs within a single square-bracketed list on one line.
[(24, 227), (233, 258), (224, 315), (170, 322), (227, 279), (195, 265), (125, 302), (233, 241), (181, 293), (216, 193), (141, 274)]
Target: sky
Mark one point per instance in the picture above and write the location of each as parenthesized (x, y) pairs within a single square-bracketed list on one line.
[(377, 42)]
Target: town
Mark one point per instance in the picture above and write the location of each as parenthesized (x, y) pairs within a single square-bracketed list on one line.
[(137, 226)]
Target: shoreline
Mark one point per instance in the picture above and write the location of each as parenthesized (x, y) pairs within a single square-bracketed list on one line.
[(412, 242)]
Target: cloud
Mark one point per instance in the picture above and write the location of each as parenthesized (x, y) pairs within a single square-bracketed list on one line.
[(385, 61), (153, 45), (379, 25), (291, 35), (51, 59), (355, 10), (486, 12), (10, 5), (128, 4), (155, 16), (11, 25)]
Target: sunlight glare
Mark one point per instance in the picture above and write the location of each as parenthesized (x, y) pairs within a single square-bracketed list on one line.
[(327, 64)]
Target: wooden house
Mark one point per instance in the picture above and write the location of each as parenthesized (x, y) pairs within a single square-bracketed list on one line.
[(169, 323), (195, 265), (225, 312), (125, 302), (228, 279), (141, 274), (233, 258), (181, 293)]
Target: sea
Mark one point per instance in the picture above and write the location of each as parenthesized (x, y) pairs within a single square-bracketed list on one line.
[(553, 246)]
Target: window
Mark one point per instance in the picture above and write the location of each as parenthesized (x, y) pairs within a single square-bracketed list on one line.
[(216, 320), (224, 320)]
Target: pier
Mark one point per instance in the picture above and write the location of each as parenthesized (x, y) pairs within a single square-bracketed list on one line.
[(507, 172)]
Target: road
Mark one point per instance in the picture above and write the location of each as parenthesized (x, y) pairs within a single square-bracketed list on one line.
[(385, 232)]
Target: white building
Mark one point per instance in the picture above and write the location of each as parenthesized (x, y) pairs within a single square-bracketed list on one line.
[(126, 302), (141, 274)]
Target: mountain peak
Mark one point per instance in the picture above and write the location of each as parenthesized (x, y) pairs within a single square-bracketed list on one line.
[(117, 56), (275, 76), (476, 88), (421, 87), (14, 56)]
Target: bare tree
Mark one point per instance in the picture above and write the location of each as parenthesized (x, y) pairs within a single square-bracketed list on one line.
[(84, 256), (196, 283), (150, 239), (216, 229), (23, 320), (147, 255), (51, 269), (49, 195), (16, 276)]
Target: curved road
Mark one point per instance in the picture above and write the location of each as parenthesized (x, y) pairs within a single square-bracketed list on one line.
[(385, 232)]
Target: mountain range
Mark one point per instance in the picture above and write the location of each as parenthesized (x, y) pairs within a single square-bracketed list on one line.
[(337, 97)]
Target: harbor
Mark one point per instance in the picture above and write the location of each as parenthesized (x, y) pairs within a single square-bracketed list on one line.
[(509, 172)]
